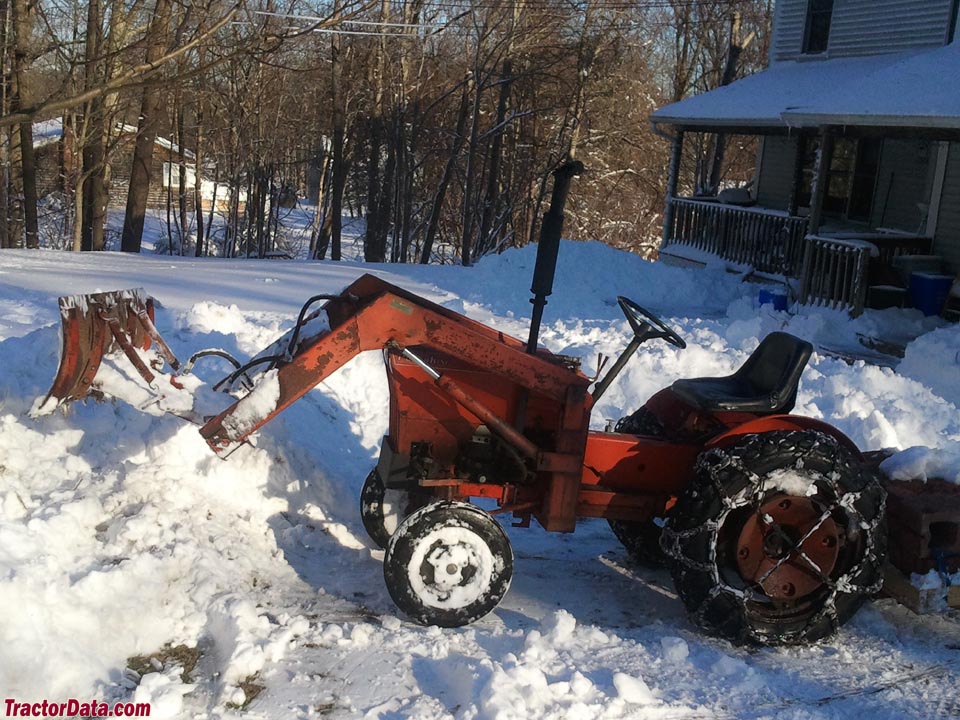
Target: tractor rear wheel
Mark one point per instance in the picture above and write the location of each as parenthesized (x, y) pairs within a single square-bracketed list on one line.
[(641, 540), (382, 509), (779, 539), (448, 564), (641, 422)]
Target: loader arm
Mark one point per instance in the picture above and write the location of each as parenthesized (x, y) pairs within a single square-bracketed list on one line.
[(372, 314)]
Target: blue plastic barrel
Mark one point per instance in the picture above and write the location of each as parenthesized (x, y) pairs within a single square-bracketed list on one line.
[(928, 291), (769, 297)]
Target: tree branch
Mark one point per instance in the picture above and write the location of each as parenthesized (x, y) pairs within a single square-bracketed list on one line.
[(134, 76)]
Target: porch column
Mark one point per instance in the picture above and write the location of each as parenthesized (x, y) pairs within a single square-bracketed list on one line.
[(673, 175), (797, 177), (820, 179)]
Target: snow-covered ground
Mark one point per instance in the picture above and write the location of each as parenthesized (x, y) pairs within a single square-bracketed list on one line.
[(123, 539)]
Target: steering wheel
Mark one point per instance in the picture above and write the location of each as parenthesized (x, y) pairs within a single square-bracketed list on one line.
[(647, 325)]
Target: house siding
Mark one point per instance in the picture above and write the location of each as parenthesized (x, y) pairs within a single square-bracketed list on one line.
[(947, 239), (776, 172), (904, 179), (789, 19), (865, 27)]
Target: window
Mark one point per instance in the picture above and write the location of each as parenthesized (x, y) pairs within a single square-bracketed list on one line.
[(851, 176), (954, 17), (817, 32)]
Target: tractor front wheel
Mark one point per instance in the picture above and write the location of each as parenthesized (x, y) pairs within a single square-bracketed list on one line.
[(779, 539), (448, 564), (382, 509)]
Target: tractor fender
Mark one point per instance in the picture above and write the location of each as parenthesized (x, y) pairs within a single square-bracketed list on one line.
[(782, 422)]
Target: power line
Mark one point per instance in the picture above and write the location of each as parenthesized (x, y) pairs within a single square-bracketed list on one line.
[(371, 23)]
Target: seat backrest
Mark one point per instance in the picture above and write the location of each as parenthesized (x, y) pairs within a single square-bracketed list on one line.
[(775, 367)]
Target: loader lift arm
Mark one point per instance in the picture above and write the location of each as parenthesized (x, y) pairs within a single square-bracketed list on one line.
[(372, 314)]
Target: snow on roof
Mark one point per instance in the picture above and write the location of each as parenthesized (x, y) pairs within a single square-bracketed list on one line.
[(161, 141), (50, 131), (46, 132), (914, 89)]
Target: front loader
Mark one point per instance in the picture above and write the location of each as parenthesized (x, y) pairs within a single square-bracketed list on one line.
[(773, 524)]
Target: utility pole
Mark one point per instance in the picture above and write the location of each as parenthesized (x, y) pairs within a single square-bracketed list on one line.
[(734, 50)]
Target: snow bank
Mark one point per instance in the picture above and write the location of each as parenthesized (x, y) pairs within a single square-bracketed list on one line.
[(934, 360), (121, 533), (922, 463)]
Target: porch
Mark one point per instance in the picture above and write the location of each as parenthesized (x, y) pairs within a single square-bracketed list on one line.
[(857, 164), (836, 267)]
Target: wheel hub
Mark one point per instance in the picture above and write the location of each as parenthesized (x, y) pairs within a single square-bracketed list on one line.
[(447, 567), (770, 553)]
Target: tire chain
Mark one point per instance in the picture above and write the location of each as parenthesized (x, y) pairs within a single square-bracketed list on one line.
[(714, 462), (641, 422)]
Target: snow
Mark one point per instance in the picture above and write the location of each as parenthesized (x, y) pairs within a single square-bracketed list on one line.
[(121, 533), (924, 463), (451, 551), (161, 141), (893, 89), (791, 482), (255, 406), (47, 131)]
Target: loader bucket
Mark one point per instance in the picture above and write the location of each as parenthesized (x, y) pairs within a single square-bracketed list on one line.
[(96, 325)]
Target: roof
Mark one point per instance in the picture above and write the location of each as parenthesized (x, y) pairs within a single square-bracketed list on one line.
[(911, 90), (161, 141), (50, 131), (46, 132)]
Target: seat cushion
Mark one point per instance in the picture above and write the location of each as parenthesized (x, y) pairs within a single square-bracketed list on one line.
[(726, 395), (765, 384)]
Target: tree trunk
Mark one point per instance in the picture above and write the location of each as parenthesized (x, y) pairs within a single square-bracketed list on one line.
[(729, 72), (92, 138), (182, 178), (319, 237), (15, 185), (22, 22), (5, 133), (339, 179), (455, 147), (29, 171), (198, 184), (492, 197), (372, 252), (140, 171), (466, 238)]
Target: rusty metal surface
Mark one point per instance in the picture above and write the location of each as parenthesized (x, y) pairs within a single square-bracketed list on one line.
[(559, 511), (618, 505), (93, 326), (924, 525), (372, 314), (766, 553), (638, 464)]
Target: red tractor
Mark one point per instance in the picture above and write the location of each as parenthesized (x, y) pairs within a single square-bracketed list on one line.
[(772, 524)]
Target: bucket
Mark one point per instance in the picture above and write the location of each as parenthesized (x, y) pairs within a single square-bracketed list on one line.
[(770, 297), (928, 291)]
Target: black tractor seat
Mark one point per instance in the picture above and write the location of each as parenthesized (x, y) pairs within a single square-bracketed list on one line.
[(765, 384)]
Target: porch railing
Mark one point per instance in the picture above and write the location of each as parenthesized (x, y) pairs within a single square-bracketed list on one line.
[(767, 240), (839, 268), (835, 273)]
